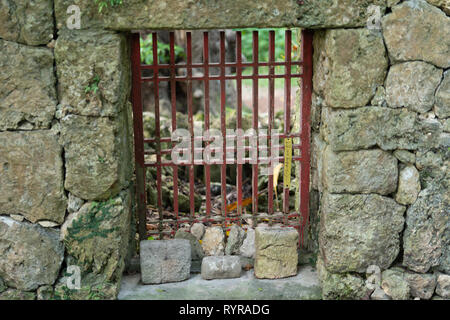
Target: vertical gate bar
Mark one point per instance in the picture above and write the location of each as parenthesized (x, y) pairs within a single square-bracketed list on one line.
[(307, 37), (271, 116), (173, 98), (206, 84), (255, 122), (136, 100), (239, 141), (287, 105), (223, 175), (191, 123), (157, 132)]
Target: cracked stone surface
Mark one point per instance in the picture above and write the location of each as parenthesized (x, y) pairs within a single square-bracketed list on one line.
[(276, 252), (426, 24), (165, 260)]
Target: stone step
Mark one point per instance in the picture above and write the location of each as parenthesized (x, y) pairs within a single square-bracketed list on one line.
[(303, 286)]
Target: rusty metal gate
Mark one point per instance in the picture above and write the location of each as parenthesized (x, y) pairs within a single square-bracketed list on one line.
[(296, 145)]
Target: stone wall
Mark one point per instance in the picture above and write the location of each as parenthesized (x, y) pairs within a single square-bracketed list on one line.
[(381, 154), (379, 144), (215, 14), (65, 156)]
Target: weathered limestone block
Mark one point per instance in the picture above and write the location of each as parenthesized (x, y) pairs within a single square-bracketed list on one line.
[(426, 24), (426, 223), (96, 236), (379, 99), (30, 256), (349, 66), (316, 108), (412, 85), (213, 242), (343, 287), (29, 22), (165, 260), (136, 14), (357, 231), (248, 246), (421, 285), (31, 176), (443, 286), (81, 56), (379, 294), (405, 156), (223, 267), (442, 106), (17, 217), (395, 285), (97, 154), (388, 128), (408, 185), (446, 125), (44, 293), (444, 263), (196, 248), (235, 240), (340, 13), (432, 158), (317, 148), (432, 155), (14, 294), (337, 286), (276, 252), (28, 94), (47, 224), (366, 171), (391, 3), (198, 230), (443, 4), (74, 203), (174, 14)]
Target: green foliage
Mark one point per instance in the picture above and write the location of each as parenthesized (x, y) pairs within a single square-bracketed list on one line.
[(105, 3), (247, 43), (89, 225), (163, 51), (93, 87), (94, 293), (66, 294)]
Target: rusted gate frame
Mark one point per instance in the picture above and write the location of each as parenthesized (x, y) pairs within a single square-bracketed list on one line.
[(304, 135)]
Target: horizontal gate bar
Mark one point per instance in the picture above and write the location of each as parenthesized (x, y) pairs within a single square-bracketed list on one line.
[(228, 149), (219, 162), (224, 77), (245, 136), (217, 65), (216, 218)]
